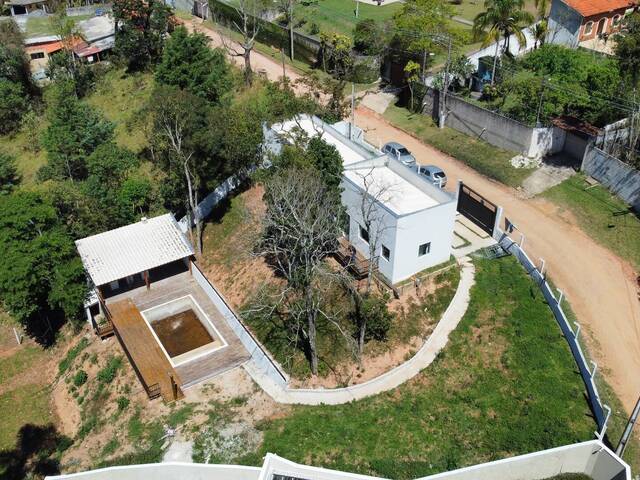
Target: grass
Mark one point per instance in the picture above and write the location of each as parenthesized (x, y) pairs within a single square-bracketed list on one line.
[(71, 355), (468, 9), (506, 384), (28, 160), (21, 361), (603, 216), (488, 160), (120, 97), (28, 404)]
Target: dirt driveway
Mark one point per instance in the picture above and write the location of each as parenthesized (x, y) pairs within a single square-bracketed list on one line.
[(599, 285)]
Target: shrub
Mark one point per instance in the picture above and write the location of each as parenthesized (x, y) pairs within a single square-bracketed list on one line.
[(108, 373), (71, 355), (80, 378), (123, 402), (379, 319)]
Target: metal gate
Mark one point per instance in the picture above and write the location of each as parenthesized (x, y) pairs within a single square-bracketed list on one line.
[(476, 208)]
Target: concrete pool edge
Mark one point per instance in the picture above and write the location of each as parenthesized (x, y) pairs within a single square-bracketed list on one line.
[(189, 356)]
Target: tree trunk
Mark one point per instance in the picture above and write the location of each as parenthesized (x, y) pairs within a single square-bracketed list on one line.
[(495, 62), (193, 207), (313, 351), (248, 73)]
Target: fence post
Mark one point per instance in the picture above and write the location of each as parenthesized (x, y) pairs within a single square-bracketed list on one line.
[(542, 265), (522, 238), (18, 337), (577, 332), (595, 369), (560, 297), (496, 223), (600, 435)]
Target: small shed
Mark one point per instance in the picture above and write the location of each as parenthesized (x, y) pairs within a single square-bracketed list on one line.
[(25, 7)]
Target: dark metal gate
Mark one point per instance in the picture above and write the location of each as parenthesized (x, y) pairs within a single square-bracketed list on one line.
[(476, 208)]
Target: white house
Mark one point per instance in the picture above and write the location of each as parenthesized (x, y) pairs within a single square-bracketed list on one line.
[(410, 221)]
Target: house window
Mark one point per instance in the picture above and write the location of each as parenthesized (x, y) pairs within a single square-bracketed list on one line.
[(424, 249), (37, 55), (364, 234), (386, 253), (588, 28)]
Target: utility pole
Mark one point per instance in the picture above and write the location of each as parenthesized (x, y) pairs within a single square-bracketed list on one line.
[(540, 104), (291, 2), (627, 431), (357, 8), (445, 89), (353, 110)]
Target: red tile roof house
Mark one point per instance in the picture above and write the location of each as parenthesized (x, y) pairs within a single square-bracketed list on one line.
[(573, 22)]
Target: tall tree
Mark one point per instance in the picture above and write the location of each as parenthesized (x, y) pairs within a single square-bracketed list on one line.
[(300, 229), (9, 176), (501, 19), (75, 130), (141, 27), (249, 13), (627, 50), (189, 63), (41, 276)]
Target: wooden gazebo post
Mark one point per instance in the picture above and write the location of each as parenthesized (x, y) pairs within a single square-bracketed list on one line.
[(146, 279)]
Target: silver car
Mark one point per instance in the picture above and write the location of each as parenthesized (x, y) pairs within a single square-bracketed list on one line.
[(433, 174), (400, 153)]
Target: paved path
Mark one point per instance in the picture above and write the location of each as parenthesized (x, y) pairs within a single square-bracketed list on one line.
[(393, 378), (599, 285)]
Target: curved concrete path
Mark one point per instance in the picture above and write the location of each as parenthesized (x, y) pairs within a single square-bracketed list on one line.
[(391, 379)]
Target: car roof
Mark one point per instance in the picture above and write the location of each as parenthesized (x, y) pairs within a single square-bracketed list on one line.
[(431, 168), (395, 145)]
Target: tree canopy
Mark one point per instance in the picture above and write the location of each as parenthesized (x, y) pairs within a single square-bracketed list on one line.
[(190, 64), (627, 50)]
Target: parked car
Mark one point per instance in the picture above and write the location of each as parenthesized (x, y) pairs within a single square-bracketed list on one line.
[(400, 153), (433, 174)]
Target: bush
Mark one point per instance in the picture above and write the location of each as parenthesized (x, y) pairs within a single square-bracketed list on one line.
[(123, 402), (368, 37), (108, 373), (12, 105), (67, 361), (374, 309), (365, 69), (80, 378)]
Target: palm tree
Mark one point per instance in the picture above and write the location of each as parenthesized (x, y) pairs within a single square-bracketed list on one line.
[(502, 18), (542, 6), (540, 32)]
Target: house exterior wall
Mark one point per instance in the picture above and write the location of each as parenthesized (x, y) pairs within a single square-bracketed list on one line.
[(402, 235), (590, 27), (564, 25)]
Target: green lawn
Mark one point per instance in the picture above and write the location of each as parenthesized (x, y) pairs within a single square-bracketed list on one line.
[(506, 384), (479, 155), (29, 160), (603, 216), (468, 9)]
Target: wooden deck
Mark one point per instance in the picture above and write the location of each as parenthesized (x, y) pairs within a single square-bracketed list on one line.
[(152, 366), (352, 260), (180, 285)]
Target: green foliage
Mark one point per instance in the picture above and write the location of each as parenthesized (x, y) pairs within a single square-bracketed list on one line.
[(421, 16), (327, 160), (141, 28), (75, 131), (369, 37), (337, 57), (374, 309), (110, 370), (41, 275), (12, 105), (502, 18), (574, 83), (80, 378), (123, 403), (9, 177), (71, 355), (189, 63), (627, 50), (110, 447)]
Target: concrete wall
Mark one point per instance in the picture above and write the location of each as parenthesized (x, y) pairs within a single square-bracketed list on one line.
[(564, 25), (617, 176), (261, 358), (591, 458), (491, 127), (167, 471)]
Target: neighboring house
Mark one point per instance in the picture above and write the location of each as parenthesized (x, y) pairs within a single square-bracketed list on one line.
[(25, 7), (586, 23), (39, 52), (413, 220)]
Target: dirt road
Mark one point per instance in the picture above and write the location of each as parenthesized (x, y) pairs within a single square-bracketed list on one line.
[(598, 284)]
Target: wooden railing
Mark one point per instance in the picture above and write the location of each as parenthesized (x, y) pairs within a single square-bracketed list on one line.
[(352, 260)]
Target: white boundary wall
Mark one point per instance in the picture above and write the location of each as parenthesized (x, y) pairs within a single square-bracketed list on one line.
[(591, 458), (262, 360)]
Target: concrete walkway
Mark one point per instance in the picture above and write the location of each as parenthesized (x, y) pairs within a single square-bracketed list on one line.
[(391, 379)]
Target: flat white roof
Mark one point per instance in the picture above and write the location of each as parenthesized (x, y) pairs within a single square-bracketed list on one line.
[(393, 191), (349, 151), (132, 249)]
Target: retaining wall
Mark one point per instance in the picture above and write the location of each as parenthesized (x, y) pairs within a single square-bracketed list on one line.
[(619, 177), (261, 359), (569, 333)]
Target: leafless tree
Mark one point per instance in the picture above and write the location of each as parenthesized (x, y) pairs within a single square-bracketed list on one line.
[(300, 229), (287, 8), (374, 191), (249, 12), (171, 126)]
